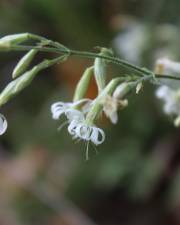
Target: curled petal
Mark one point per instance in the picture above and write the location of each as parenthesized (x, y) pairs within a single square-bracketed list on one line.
[(56, 105), (3, 124), (97, 136), (84, 132), (56, 114), (72, 127), (58, 109)]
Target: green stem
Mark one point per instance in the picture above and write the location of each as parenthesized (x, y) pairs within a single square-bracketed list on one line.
[(83, 54), (58, 50), (163, 76)]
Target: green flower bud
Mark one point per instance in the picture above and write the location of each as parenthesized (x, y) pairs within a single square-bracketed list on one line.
[(100, 69), (14, 39), (24, 80), (24, 63), (139, 87), (83, 84), (7, 41), (122, 90), (14, 87)]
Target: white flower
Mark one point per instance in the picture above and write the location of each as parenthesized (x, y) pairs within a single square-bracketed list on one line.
[(131, 41), (60, 108), (111, 106), (168, 67), (3, 124), (171, 99), (79, 129)]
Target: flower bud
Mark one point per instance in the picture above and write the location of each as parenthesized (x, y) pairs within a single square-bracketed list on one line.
[(100, 69), (17, 85), (7, 41), (24, 63), (122, 90), (14, 39), (139, 87), (21, 82), (83, 84)]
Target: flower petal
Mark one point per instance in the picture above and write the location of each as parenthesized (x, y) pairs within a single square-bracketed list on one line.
[(84, 132), (57, 105), (3, 124), (58, 109), (114, 117), (72, 127), (97, 136)]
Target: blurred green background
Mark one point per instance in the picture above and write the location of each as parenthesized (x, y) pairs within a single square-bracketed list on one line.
[(134, 177)]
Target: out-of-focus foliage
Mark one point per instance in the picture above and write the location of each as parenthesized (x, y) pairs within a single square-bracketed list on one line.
[(134, 177)]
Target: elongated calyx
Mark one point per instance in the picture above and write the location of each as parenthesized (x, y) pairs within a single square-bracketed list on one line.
[(83, 84), (14, 87), (24, 63), (100, 69)]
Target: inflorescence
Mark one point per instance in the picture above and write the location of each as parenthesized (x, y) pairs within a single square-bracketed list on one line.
[(81, 114)]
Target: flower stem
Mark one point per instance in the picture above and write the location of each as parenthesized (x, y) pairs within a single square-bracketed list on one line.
[(57, 48)]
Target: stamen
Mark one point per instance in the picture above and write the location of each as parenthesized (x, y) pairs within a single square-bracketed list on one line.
[(62, 125), (87, 151)]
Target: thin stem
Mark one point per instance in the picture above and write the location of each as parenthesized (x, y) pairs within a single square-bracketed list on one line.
[(113, 60), (39, 48), (163, 76), (84, 54)]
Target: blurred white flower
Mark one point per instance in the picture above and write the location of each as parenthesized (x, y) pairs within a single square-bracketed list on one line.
[(131, 42), (3, 124), (166, 37), (171, 100), (168, 67)]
